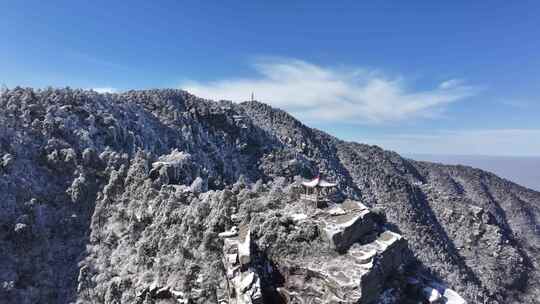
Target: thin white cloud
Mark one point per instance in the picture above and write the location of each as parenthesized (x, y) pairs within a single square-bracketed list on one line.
[(105, 90), (313, 92), (451, 83), (503, 142)]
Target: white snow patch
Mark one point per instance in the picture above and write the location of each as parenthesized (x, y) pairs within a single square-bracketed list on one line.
[(431, 294), (297, 217)]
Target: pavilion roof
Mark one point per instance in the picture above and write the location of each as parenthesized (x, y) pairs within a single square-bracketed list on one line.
[(318, 182)]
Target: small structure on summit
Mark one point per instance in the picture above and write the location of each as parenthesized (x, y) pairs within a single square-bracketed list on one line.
[(318, 190), (240, 120)]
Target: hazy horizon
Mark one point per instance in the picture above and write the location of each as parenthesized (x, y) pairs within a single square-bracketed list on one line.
[(522, 170)]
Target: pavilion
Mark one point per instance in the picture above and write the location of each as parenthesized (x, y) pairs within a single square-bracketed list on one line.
[(317, 190)]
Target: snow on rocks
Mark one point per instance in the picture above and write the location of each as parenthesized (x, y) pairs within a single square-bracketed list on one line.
[(449, 295), (434, 292), (453, 297), (298, 217), (244, 245), (6, 161), (173, 168), (431, 294), (244, 283), (347, 223), (230, 233), (357, 272)]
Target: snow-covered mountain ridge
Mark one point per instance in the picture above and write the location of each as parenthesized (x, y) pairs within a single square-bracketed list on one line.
[(121, 198)]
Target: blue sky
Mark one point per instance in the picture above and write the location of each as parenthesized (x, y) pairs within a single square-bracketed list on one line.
[(453, 77)]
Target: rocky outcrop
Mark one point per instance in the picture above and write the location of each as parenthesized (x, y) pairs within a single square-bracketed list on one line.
[(364, 256), (354, 274), (347, 223), (244, 286)]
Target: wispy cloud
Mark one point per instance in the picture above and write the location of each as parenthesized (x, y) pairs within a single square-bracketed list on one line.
[(352, 95), (504, 142), (451, 83), (105, 90)]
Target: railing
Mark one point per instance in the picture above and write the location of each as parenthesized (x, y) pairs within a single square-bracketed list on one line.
[(309, 197), (320, 198)]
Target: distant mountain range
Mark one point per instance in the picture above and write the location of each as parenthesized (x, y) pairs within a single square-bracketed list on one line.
[(521, 170)]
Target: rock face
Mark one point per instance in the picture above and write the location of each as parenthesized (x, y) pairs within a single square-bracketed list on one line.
[(347, 223), (132, 198), (353, 275), (243, 282), (357, 276)]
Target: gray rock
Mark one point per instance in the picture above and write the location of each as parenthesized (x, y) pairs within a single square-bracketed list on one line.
[(21, 228), (347, 224), (7, 161), (198, 185)]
